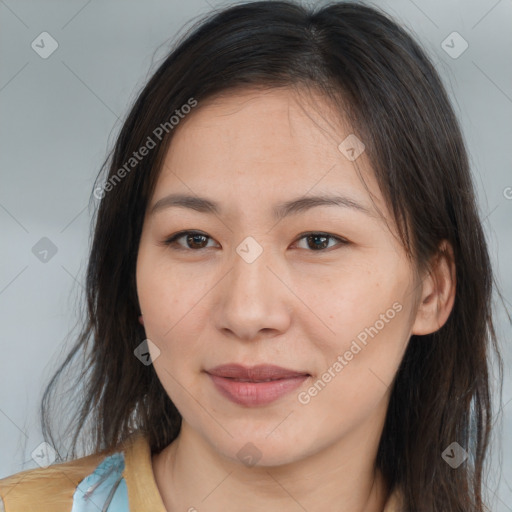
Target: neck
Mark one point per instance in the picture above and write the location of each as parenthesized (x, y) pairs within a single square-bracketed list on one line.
[(192, 476)]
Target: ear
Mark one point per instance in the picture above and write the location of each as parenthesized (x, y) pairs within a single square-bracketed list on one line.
[(437, 292)]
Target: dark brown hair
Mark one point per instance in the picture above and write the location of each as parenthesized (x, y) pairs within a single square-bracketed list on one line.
[(392, 96)]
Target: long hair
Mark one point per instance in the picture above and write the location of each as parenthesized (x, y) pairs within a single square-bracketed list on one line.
[(379, 79)]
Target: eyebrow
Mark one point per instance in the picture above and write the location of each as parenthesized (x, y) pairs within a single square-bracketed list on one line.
[(280, 211)]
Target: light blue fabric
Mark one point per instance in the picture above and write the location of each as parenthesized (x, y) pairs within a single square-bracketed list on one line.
[(105, 489)]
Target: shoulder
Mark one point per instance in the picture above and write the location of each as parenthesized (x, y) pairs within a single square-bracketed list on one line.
[(95, 482), (53, 486)]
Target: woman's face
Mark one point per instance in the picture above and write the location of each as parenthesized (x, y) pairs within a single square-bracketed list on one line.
[(323, 290)]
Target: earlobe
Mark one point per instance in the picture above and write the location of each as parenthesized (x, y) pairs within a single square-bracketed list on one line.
[(141, 320), (438, 292)]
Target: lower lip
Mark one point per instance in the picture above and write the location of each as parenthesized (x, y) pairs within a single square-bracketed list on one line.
[(252, 394)]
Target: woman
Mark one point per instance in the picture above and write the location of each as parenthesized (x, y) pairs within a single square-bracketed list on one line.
[(289, 288)]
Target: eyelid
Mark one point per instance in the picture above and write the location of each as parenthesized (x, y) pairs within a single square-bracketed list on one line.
[(171, 241)]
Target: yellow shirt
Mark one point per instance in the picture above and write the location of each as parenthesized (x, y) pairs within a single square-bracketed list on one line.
[(53, 489)]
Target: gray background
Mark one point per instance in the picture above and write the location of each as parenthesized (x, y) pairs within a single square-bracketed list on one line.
[(59, 116)]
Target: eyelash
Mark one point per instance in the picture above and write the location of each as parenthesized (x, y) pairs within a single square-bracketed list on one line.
[(172, 240)]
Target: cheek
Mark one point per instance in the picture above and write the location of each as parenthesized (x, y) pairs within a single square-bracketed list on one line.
[(171, 305), (365, 313), (162, 291), (174, 311), (357, 370), (349, 300)]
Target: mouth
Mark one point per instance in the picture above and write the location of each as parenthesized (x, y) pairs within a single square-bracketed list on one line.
[(259, 373), (257, 385)]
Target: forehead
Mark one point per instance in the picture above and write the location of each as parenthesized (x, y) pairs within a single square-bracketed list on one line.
[(267, 123), (273, 143)]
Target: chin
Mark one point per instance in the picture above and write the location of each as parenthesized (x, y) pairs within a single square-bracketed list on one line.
[(258, 450)]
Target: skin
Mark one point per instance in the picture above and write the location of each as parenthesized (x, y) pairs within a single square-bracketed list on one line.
[(294, 306)]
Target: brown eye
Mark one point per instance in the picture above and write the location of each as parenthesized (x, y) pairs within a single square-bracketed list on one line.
[(319, 242), (194, 240)]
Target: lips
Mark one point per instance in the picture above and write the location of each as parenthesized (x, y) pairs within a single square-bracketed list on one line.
[(257, 385), (260, 373)]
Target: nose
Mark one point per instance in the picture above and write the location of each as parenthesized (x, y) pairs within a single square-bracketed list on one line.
[(253, 301)]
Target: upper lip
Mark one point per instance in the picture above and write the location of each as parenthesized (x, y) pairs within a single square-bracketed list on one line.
[(254, 373)]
